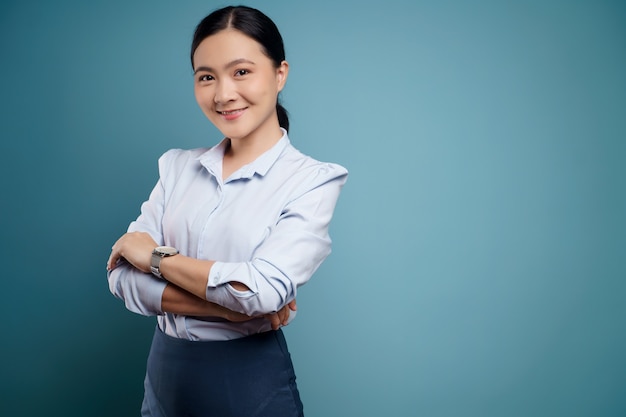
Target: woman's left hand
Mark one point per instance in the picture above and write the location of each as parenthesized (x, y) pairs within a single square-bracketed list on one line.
[(281, 317), (136, 248)]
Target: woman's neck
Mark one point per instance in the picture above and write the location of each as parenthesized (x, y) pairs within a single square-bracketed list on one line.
[(242, 151), (247, 148)]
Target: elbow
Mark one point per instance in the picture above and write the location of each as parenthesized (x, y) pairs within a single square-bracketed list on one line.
[(252, 288), (113, 278), (259, 302)]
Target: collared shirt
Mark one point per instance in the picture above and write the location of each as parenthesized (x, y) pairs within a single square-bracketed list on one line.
[(266, 226)]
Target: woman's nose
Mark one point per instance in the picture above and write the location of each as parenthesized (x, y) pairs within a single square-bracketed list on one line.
[(225, 91)]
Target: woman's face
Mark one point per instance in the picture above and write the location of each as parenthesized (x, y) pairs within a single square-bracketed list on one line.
[(236, 85)]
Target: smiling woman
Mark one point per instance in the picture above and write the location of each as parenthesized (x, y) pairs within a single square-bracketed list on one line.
[(236, 85), (228, 235)]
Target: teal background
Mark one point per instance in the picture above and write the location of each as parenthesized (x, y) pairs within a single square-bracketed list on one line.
[(479, 244)]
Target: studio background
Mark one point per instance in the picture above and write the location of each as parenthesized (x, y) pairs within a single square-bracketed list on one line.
[(479, 244)]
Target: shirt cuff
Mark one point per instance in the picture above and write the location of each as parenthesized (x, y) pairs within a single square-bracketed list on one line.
[(224, 272), (142, 293), (154, 298)]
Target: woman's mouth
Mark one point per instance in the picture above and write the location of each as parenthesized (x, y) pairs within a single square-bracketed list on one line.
[(231, 114)]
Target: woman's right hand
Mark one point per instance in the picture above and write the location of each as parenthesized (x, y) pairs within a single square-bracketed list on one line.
[(281, 317), (278, 319), (178, 301)]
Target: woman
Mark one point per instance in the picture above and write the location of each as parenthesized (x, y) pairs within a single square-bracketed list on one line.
[(227, 236)]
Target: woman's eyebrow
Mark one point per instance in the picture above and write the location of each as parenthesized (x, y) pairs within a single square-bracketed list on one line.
[(232, 63)]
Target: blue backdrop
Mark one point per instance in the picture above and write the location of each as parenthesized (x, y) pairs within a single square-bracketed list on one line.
[(479, 244)]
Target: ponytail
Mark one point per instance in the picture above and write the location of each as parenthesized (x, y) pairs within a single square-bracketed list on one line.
[(283, 116)]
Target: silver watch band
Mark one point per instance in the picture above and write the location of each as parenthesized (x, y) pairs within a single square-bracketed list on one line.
[(158, 254), (155, 264)]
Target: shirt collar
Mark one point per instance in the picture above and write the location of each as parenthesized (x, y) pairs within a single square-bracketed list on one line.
[(212, 159)]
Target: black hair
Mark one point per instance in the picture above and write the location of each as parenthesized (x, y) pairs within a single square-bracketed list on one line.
[(250, 22)]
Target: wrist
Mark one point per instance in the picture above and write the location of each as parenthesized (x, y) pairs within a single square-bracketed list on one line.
[(158, 255)]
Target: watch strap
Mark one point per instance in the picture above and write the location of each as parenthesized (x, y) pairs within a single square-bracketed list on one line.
[(158, 254), (155, 264)]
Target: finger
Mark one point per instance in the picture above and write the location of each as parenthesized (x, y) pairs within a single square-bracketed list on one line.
[(284, 315), (113, 261), (292, 305), (274, 320)]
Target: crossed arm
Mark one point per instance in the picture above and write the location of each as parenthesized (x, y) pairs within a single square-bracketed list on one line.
[(187, 281)]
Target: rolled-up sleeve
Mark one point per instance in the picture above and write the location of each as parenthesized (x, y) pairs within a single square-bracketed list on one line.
[(140, 292), (295, 248)]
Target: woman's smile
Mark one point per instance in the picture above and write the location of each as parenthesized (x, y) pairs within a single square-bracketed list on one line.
[(234, 77), (231, 114)]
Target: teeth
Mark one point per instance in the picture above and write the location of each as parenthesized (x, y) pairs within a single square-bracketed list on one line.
[(229, 112)]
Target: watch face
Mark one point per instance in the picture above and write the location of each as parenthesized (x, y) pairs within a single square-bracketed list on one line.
[(166, 250)]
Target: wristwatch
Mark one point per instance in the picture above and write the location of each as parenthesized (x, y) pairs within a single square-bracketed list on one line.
[(158, 254)]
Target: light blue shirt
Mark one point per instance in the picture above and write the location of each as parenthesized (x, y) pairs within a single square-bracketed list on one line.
[(266, 226)]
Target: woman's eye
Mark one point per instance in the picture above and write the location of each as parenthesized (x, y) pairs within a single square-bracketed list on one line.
[(241, 72), (205, 78)]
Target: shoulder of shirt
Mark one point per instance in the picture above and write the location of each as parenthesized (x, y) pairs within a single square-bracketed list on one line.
[(307, 173), (298, 162), (180, 156), (173, 162), (175, 153)]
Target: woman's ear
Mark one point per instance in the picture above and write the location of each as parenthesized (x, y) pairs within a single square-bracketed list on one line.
[(281, 74)]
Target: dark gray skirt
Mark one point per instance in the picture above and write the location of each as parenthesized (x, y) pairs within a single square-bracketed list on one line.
[(248, 377)]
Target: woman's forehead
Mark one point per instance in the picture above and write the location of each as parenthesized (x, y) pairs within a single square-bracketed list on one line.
[(227, 45)]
